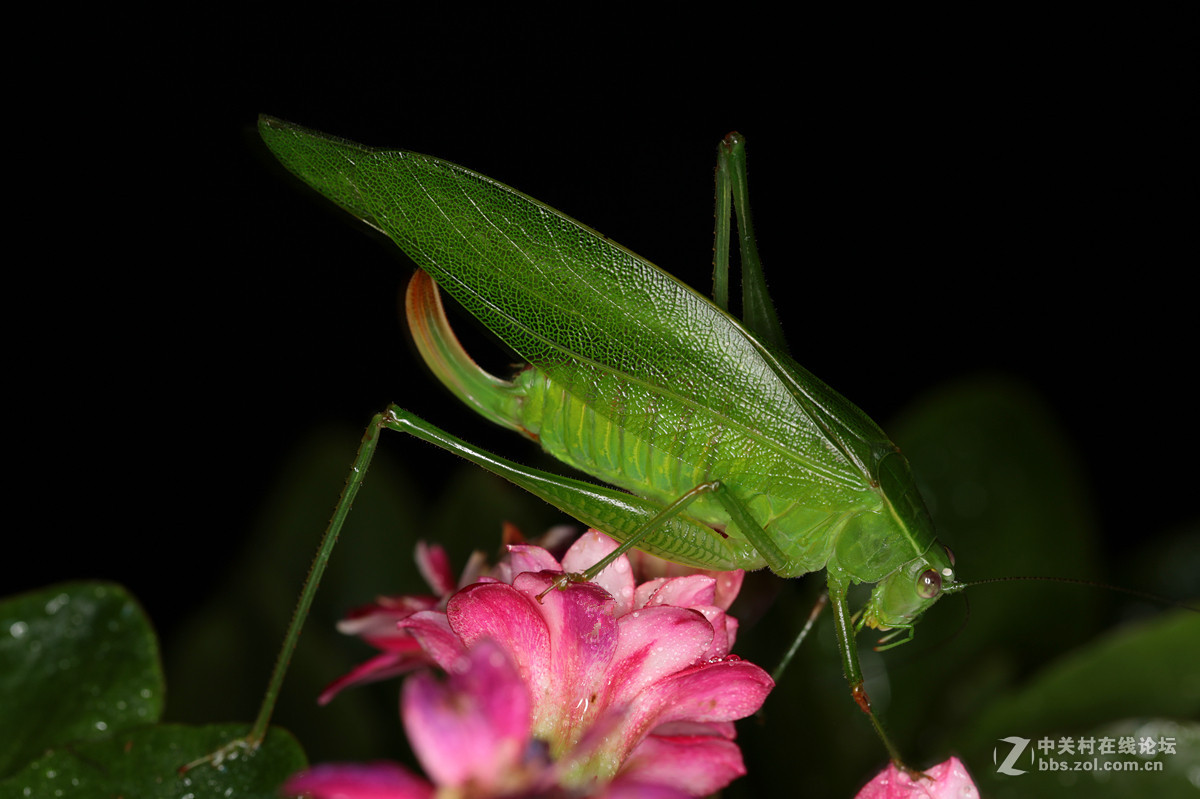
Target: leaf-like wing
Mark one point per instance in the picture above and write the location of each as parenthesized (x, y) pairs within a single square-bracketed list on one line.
[(566, 298)]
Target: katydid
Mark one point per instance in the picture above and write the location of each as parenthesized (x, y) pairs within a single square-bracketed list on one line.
[(725, 452)]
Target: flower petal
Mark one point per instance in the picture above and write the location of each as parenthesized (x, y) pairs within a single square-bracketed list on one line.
[(529, 558), (685, 592), (617, 578), (655, 643), (376, 623), (357, 781), (474, 727), (699, 765), (432, 631), (583, 637), (711, 692), (728, 585), (635, 789), (501, 613), (434, 565), (380, 667), (948, 780), (726, 690), (698, 592)]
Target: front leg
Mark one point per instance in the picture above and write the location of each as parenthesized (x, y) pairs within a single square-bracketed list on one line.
[(839, 585)]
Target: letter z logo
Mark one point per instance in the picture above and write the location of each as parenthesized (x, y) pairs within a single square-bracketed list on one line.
[(1018, 746)]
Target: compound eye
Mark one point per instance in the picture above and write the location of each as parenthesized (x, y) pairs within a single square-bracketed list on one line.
[(929, 584)]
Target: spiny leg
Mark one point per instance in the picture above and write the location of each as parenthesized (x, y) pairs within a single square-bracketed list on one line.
[(733, 196), (362, 461), (615, 512), (848, 648), (663, 516), (820, 604), (738, 513)]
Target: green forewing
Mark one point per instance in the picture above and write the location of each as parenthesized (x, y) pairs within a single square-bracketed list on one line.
[(565, 298)]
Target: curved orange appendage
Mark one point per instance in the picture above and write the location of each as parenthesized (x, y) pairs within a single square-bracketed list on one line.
[(449, 362)]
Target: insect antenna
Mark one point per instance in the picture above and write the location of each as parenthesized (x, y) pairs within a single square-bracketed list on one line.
[(1078, 581)]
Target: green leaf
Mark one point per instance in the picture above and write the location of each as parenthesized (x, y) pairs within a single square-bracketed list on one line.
[(78, 661), (1142, 670), (1130, 683), (145, 762)]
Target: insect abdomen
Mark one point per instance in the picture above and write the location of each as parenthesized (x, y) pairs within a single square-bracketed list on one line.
[(633, 439)]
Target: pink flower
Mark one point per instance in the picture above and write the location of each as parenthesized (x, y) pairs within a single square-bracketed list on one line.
[(377, 624), (948, 780), (608, 688)]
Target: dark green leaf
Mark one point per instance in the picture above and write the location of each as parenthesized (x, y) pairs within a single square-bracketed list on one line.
[(78, 662), (145, 763), (1142, 670)]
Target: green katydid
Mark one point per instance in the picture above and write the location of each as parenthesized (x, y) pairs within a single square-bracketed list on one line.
[(729, 453)]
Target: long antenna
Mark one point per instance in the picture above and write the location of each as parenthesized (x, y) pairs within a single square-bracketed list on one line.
[(1076, 581)]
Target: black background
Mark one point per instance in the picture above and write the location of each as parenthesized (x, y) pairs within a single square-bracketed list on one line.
[(934, 197)]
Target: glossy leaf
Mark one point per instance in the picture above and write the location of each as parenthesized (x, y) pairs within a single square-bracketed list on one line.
[(144, 762), (78, 662), (1140, 670)]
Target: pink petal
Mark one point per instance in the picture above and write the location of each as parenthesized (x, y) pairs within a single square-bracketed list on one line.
[(434, 565), (474, 727), (432, 631), (726, 690), (617, 579), (632, 788), (723, 631), (376, 623), (583, 637), (948, 780), (654, 643), (499, 612), (685, 592), (728, 585), (731, 629), (698, 592), (712, 692), (357, 781), (698, 765), (380, 667), (528, 558), (696, 729)]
